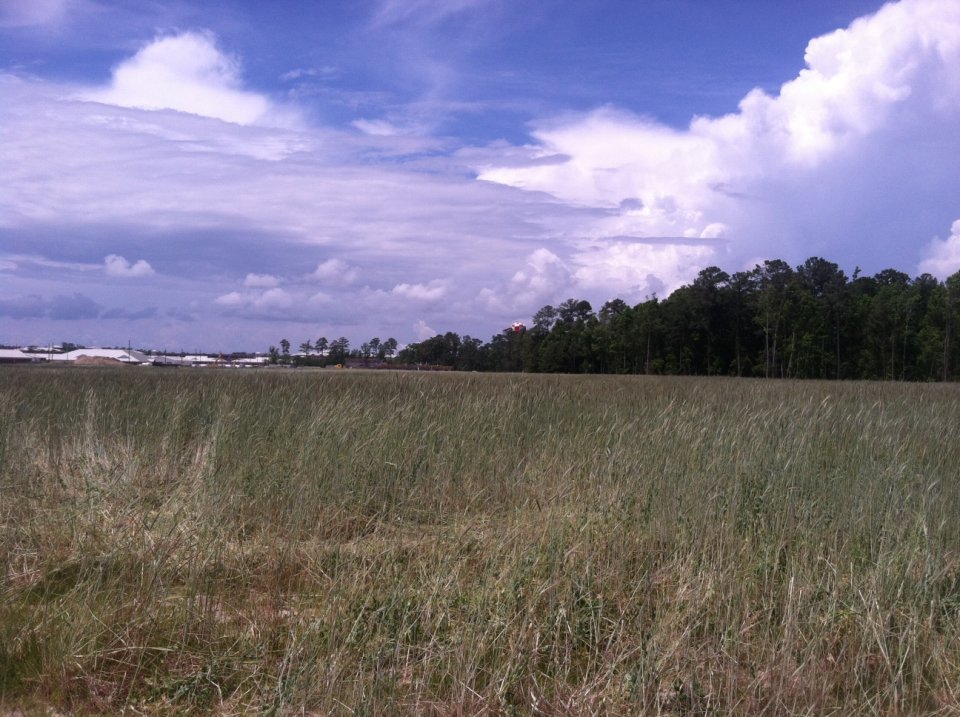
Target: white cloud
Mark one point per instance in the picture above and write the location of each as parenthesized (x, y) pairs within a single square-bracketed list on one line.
[(302, 72), (630, 269), (432, 291), (853, 160), (422, 331), (271, 301), (335, 272), (265, 281), (187, 73), (116, 265), (613, 156), (717, 230), (275, 298), (543, 279), (543, 274), (636, 270), (872, 97), (942, 257), (232, 300)]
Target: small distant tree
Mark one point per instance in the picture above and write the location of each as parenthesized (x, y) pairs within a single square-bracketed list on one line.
[(544, 319), (322, 345), (387, 349), (273, 355), (339, 350), (306, 347), (285, 350)]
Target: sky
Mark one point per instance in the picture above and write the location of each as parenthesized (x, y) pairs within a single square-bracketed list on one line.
[(217, 175)]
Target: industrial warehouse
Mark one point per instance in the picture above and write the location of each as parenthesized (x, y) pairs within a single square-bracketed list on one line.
[(129, 357)]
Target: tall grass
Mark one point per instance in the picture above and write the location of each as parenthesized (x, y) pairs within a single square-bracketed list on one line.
[(378, 543)]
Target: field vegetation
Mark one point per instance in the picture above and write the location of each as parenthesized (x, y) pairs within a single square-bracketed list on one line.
[(367, 543)]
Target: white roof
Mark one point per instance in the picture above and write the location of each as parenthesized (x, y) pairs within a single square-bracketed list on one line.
[(16, 354), (200, 358), (124, 355)]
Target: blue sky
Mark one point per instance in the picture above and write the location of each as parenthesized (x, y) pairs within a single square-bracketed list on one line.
[(222, 174)]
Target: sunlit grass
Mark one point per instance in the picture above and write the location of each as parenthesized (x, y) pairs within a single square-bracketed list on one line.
[(375, 543)]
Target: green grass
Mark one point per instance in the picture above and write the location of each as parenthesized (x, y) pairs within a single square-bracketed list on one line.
[(337, 542)]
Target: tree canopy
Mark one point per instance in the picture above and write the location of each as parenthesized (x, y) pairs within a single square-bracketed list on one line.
[(775, 321)]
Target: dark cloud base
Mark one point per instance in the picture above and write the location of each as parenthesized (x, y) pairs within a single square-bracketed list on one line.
[(60, 307), (229, 252)]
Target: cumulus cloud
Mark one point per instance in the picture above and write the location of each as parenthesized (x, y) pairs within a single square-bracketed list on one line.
[(717, 230), (635, 270), (543, 279), (115, 265), (232, 300), (422, 331), (943, 255), (275, 302), (334, 271), (771, 172), (853, 160), (544, 273), (187, 73), (627, 268), (431, 291), (260, 281)]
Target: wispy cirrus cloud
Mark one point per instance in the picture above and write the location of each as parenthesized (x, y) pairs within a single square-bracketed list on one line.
[(36, 13), (423, 12)]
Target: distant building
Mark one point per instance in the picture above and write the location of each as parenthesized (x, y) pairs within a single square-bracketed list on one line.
[(18, 356), (106, 356), (251, 361), (129, 357), (202, 360)]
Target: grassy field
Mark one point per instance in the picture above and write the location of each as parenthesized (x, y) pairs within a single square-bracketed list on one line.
[(368, 543)]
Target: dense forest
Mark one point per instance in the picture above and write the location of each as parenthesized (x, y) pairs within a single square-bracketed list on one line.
[(773, 321)]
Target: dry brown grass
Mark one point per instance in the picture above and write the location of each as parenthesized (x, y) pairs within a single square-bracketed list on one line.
[(353, 543)]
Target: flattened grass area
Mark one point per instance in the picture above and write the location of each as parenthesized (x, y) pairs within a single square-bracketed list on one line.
[(337, 542)]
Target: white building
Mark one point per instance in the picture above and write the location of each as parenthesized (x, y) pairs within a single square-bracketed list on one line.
[(18, 356), (128, 356)]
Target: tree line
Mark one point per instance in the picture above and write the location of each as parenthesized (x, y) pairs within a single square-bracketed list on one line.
[(328, 353), (774, 321)]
